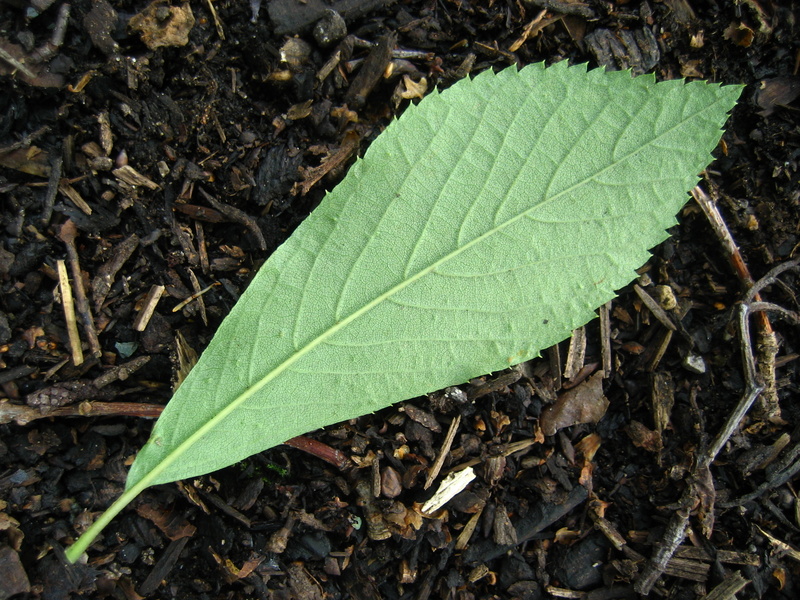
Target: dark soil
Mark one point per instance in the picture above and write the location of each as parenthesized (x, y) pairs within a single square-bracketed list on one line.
[(185, 165)]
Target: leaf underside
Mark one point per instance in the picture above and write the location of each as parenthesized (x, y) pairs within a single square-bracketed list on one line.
[(484, 225)]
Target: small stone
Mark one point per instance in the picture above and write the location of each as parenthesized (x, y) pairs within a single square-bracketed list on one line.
[(295, 53), (694, 363), (163, 168), (330, 29), (493, 469), (665, 296), (247, 137), (503, 532), (391, 484), (101, 163)]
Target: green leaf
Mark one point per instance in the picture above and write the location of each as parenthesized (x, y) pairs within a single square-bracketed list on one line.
[(481, 227)]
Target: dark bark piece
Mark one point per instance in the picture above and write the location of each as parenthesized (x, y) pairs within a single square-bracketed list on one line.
[(9, 375), (294, 16), (371, 71), (163, 566), (496, 384), (391, 484), (248, 496), (775, 92), (624, 49), (515, 569), (102, 282), (423, 417), (543, 515), (28, 258), (170, 521), (566, 7), (100, 23), (525, 590), (584, 403), (580, 565), (275, 176), (13, 579), (66, 392), (61, 579), (302, 584), (503, 532)]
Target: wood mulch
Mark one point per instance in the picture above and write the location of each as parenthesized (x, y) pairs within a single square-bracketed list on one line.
[(153, 155)]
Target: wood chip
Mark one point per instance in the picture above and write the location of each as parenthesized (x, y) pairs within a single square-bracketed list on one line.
[(102, 282), (576, 353), (654, 307), (132, 177), (69, 313), (605, 338), (443, 452), (582, 404), (74, 196), (422, 417), (150, 303), (450, 486)]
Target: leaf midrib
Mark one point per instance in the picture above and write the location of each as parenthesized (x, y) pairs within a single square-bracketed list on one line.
[(278, 370)]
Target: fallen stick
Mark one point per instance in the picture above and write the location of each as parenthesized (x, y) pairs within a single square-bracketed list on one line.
[(676, 528)]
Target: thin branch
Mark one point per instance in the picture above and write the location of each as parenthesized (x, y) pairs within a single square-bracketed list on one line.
[(770, 278), (766, 341), (69, 313), (676, 528)]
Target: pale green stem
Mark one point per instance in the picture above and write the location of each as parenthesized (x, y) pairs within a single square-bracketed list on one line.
[(75, 551)]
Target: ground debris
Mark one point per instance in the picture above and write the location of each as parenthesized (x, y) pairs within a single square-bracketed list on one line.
[(186, 148)]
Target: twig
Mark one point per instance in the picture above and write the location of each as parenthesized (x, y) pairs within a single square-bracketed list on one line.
[(217, 23), (554, 360), (676, 529), (766, 340), (16, 64), (69, 313), (197, 295), (22, 415), (50, 47), (605, 338), (576, 353), (508, 451), (52, 189), (787, 314), (237, 216), (67, 235), (150, 303), (728, 589), (653, 306), (779, 473), (443, 452), (120, 372), (323, 451), (202, 251), (26, 141), (752, 389), (528, 32), (770, 278), (102, 282), (7, 375)]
